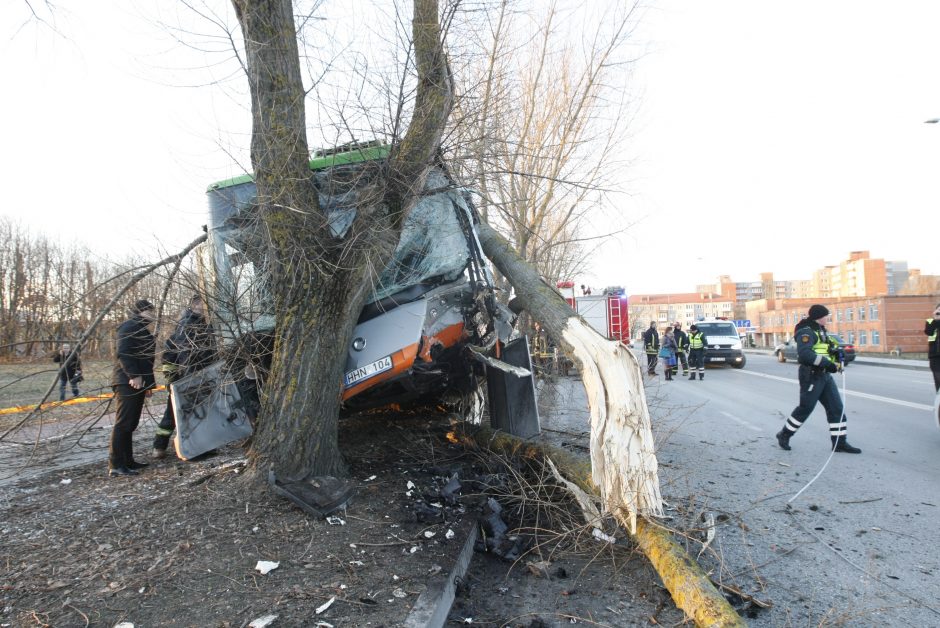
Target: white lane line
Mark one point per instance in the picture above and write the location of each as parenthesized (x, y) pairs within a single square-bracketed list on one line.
[(852, 393), (741, 421)]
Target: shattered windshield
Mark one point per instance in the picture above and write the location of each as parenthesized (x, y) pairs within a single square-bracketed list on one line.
[(434, 246)]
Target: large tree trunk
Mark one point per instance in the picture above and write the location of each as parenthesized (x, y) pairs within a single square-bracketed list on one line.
[(319, 282), (623, 460)]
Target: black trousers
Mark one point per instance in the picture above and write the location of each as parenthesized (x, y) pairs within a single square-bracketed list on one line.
[(164, 431), (680, 359), (818, 386), (130, 403), (697, 359), (651, 360), (935, 369)]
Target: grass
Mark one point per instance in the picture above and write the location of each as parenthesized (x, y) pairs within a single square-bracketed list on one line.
[(26, 384)]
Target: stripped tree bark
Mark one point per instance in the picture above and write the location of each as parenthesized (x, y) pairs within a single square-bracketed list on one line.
[(623, 460)]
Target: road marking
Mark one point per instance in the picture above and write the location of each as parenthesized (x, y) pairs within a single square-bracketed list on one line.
[(741, 421), (897, 402)]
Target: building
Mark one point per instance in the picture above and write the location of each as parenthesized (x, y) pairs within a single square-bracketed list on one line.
[(683, 307), (881, 324)]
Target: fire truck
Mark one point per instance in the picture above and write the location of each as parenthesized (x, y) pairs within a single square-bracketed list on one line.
[(605, 312)]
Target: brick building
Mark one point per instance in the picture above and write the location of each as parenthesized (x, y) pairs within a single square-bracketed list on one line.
[(880, 324)]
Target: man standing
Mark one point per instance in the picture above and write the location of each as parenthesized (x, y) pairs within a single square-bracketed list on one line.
[(71, 370), (816, 355), (682, 348), (131, 381), (933, 346), (190, 348), (651, 345), (697, 343)]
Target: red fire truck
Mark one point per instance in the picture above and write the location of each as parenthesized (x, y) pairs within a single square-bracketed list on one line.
[(605, 312)]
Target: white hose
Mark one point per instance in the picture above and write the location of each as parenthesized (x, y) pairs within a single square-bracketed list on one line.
[(834, 443)]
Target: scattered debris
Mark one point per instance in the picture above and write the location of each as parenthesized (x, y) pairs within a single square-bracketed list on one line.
[(65, 481), (264, 566), (336, 521), (318, 495), (325, 605), (601, 536), (539, 568), (709, 519), (262, 622)]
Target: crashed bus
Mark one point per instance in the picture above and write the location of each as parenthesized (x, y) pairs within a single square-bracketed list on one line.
[(430, 331)]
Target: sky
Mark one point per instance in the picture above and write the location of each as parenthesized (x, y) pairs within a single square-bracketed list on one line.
[(766, 137)]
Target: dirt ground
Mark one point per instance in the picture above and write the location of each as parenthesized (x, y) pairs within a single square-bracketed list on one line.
[(179, 545)]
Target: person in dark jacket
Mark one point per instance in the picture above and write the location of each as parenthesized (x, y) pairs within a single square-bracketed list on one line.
[(818, 358), (132, 382), (70, 372), (933, 346), (682, 348), (651, 346), (189, 349)]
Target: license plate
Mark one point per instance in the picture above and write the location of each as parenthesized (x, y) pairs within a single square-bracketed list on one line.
[(365, 372), (717, 359)]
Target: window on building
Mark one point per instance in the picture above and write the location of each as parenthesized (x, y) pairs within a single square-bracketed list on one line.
[(862, 338), (849, 314), (838, 315), (875, 337), (873, 315), (861, 312), (851, 337)]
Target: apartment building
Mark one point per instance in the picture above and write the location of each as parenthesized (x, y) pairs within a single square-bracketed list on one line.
[(881, 324), (683, 307)]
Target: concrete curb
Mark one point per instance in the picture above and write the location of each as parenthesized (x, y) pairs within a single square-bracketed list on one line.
[(433, 606), (861, 358)]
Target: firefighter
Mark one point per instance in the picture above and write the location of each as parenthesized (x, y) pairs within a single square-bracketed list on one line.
[(651, 345), (682, 349), (818, 358), (190, 348), (696, 344), (933, 346)]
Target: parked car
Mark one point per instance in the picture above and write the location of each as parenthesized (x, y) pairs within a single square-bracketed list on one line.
[(724, 344), (787, 350)]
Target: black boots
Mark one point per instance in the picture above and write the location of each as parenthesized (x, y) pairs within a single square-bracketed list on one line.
[(783, 438), (692, 376), (841, 445), (116, 471)]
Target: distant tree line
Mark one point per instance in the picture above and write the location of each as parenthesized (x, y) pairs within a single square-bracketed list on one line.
[(50, 292)]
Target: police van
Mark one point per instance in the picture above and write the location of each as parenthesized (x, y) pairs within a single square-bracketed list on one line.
[(724, 344)]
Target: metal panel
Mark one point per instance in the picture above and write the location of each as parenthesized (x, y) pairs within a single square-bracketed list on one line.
[(513, 406)]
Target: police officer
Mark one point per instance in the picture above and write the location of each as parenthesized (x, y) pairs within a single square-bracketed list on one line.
[(682, 348), (697, 343), (818, 356), (651, 345), (933, 347)]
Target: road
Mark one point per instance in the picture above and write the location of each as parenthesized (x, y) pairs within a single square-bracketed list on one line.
[(857, 547)]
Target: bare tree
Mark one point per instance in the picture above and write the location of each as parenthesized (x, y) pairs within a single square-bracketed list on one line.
[(539, 128), (320, 281)]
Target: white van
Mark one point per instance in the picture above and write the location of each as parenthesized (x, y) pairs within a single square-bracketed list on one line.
[(724, 345)]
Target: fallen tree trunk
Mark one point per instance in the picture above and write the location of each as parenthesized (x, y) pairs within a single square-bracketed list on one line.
[(623, 460), (690, 587)]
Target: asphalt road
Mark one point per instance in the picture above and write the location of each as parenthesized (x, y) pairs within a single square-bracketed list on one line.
[(861, 544)]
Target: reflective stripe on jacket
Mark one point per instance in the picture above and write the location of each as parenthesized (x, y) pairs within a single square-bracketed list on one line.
[(697, 340)]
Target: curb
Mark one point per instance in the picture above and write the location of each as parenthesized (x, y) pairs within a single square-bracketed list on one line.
[(433, 606)]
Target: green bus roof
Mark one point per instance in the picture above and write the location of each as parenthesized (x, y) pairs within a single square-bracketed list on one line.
[(358, 155)]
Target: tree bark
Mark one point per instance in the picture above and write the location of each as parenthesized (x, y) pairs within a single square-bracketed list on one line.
[(623, 460), (319, 282)]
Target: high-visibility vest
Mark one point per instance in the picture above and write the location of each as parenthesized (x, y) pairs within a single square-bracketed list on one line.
[(932, 337), (695, 340)]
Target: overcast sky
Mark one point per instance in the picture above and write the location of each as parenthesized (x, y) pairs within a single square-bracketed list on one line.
[(769, 136)]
